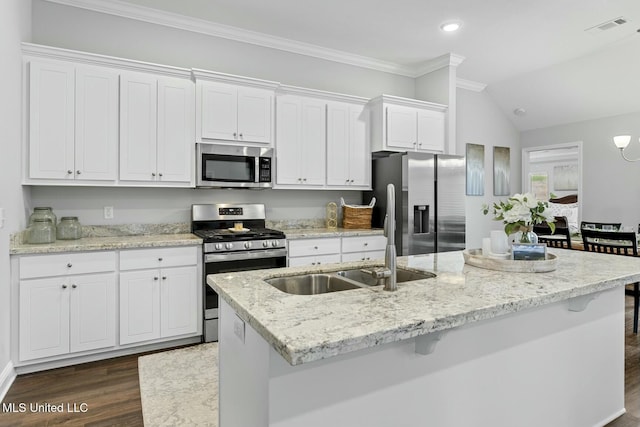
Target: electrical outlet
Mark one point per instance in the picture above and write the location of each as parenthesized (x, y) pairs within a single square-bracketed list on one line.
[(238, 328), (108, 212)]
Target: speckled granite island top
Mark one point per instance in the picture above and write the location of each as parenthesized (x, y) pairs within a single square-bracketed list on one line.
[(107, 243), (307, 328)]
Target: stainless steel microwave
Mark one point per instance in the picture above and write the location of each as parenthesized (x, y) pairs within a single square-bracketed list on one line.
[(230, 166)]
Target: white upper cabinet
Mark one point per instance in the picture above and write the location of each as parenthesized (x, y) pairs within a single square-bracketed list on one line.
[(348, 153), (234, 110), (300, 141), (73, 122), (156, 129), (401, 124)]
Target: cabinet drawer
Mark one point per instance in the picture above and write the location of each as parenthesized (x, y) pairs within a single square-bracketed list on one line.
[(314, 260), (362, 256), (67, 263), (307, 247), (363, 243), (155, 258)]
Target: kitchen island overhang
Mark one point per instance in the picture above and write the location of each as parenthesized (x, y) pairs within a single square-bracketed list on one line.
[(501, 343)]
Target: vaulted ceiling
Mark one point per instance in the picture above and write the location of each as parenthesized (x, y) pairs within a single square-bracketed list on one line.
[(560, 61)]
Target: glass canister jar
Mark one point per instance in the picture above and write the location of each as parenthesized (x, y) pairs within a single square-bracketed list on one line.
[(43, 212), (41, 230), (69, 228)]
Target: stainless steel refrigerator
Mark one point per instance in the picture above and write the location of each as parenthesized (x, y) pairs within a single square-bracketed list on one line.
[(430, 200)]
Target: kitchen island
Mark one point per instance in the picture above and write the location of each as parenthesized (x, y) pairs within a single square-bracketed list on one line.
[(468, 347)]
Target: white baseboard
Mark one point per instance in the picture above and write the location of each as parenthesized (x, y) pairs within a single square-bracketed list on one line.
[(7, 376)]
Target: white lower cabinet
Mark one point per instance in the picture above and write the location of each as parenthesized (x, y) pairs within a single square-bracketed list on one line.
[(158, 302), (363, 248), (327, 250), (314, 251), (69, 312)]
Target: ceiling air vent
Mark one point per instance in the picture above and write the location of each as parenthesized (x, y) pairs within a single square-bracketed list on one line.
[(613, 23)]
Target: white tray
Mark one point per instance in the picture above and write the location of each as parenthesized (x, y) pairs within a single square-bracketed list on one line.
[(474, 257)]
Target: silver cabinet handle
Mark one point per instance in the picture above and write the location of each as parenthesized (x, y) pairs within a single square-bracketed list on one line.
[(160, 259), (164, 277), (69, 265), (153, 174), (241, 135), (64, 286), (74, 286), (351, 181), (69, 172), (235, 135), (366, 243), (315, 247), (78, 172), (155, 278), (160, 174)]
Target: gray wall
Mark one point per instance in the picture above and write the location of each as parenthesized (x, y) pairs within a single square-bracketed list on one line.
[(480, 121), (14, 28), (610, 190)]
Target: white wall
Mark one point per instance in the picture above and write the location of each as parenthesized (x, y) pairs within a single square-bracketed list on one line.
[(15, 18), (480, 121), (610, 185)]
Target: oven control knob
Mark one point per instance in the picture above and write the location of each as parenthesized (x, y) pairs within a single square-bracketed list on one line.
[(247, 245), (265, 244), (218, 246), (274, 243), (228, 245)]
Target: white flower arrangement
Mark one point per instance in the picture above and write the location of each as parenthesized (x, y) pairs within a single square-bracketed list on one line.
[(521, 212)]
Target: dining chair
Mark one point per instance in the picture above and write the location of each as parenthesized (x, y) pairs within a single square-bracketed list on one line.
[(608, 226), (618, 243), (560, 238)]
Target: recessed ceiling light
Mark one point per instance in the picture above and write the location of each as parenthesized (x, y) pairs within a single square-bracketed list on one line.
[(450, 26)]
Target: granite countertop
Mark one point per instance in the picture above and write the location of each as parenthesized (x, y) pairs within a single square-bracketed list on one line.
[(107, 243), (307, 328), (306, 233)]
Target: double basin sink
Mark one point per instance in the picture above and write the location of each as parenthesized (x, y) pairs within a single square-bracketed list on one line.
[(322, 283)]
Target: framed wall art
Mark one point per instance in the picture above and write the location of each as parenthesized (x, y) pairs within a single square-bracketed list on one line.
[(501, 171), (565, 178), (539, 185), (475, 169)]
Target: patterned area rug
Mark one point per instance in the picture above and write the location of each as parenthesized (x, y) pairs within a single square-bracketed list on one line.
[(180, 387)]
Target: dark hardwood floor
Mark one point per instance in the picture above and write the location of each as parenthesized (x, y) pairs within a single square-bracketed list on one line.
[(111, 391)]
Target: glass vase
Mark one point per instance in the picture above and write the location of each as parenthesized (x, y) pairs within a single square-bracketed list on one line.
[(526, 235)]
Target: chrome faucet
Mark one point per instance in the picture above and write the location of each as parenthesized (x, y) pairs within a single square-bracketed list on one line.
[(390, 232), (388, 274)]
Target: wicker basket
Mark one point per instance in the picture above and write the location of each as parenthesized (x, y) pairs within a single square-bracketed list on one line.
[(356, 217)]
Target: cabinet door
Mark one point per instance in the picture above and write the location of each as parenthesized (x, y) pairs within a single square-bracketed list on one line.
[(359, 152), (175, 130), (51, 120), (401, 127), (255, 115), (138, 127), (92, 311), (96, 125), (338, 144), (431, 130), (314, 142), (44, 318), (139, 306), (288, 135), (218, 110), (179, 310)]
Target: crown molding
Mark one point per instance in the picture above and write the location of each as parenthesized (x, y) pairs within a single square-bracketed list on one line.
[(442, 61), (40, 51), (169, 19), (470, 85)]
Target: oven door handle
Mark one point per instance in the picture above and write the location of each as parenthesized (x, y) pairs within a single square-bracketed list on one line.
[(233, 256)]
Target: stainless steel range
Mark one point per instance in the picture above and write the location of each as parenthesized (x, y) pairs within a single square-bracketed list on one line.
[(235, 239)]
